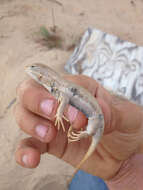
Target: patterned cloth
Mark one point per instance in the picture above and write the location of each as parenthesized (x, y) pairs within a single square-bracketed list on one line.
[(116, 64)]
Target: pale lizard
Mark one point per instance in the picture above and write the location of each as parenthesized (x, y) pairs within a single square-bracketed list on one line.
[(67, 92)]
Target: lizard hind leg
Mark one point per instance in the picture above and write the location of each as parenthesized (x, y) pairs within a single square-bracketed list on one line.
[(76, 136)]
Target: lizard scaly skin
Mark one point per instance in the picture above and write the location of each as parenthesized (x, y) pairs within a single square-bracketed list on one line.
[(67, 92)]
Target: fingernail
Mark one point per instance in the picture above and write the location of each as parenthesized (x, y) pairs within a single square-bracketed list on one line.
[(25, 160), (47, 106), (41, 131), (72, 113)]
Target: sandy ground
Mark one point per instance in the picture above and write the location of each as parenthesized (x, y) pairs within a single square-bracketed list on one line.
[(19, 23)]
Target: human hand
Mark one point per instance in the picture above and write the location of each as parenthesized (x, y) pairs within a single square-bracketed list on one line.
[(35, 115)]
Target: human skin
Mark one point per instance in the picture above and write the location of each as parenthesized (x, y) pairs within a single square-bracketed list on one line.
[(123, 135)]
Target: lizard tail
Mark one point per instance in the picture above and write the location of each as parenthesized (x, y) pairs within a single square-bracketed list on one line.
[(90, 151)]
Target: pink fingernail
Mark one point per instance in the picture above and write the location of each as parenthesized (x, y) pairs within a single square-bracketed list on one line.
[(72, 113), (25, 160), (47, 106), (41, 131)]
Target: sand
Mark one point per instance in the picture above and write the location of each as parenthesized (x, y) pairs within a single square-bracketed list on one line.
[(19, 23)]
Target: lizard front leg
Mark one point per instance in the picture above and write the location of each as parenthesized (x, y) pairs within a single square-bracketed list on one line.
[(63, 100)]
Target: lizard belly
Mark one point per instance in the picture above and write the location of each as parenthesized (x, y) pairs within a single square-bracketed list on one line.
[(82, 106)]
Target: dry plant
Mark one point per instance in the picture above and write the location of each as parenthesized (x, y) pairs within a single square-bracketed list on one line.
[(49, 38)]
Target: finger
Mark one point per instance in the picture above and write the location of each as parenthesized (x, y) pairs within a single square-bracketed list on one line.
[(37, 99), (35, 125), (77, 119), (29, 151)]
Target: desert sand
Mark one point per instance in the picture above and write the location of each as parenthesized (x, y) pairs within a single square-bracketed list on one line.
[(19, 45)]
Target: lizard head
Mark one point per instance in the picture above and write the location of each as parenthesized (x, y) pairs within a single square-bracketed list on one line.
[(45, 76)]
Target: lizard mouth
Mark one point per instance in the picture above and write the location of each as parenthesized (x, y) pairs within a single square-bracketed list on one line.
[(32, 73)]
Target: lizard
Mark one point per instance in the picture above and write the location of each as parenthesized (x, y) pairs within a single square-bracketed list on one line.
[(67, 92)]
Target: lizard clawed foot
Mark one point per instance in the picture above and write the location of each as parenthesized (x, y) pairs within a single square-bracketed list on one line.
[(76, 136), (59, 121), (65, 118)]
